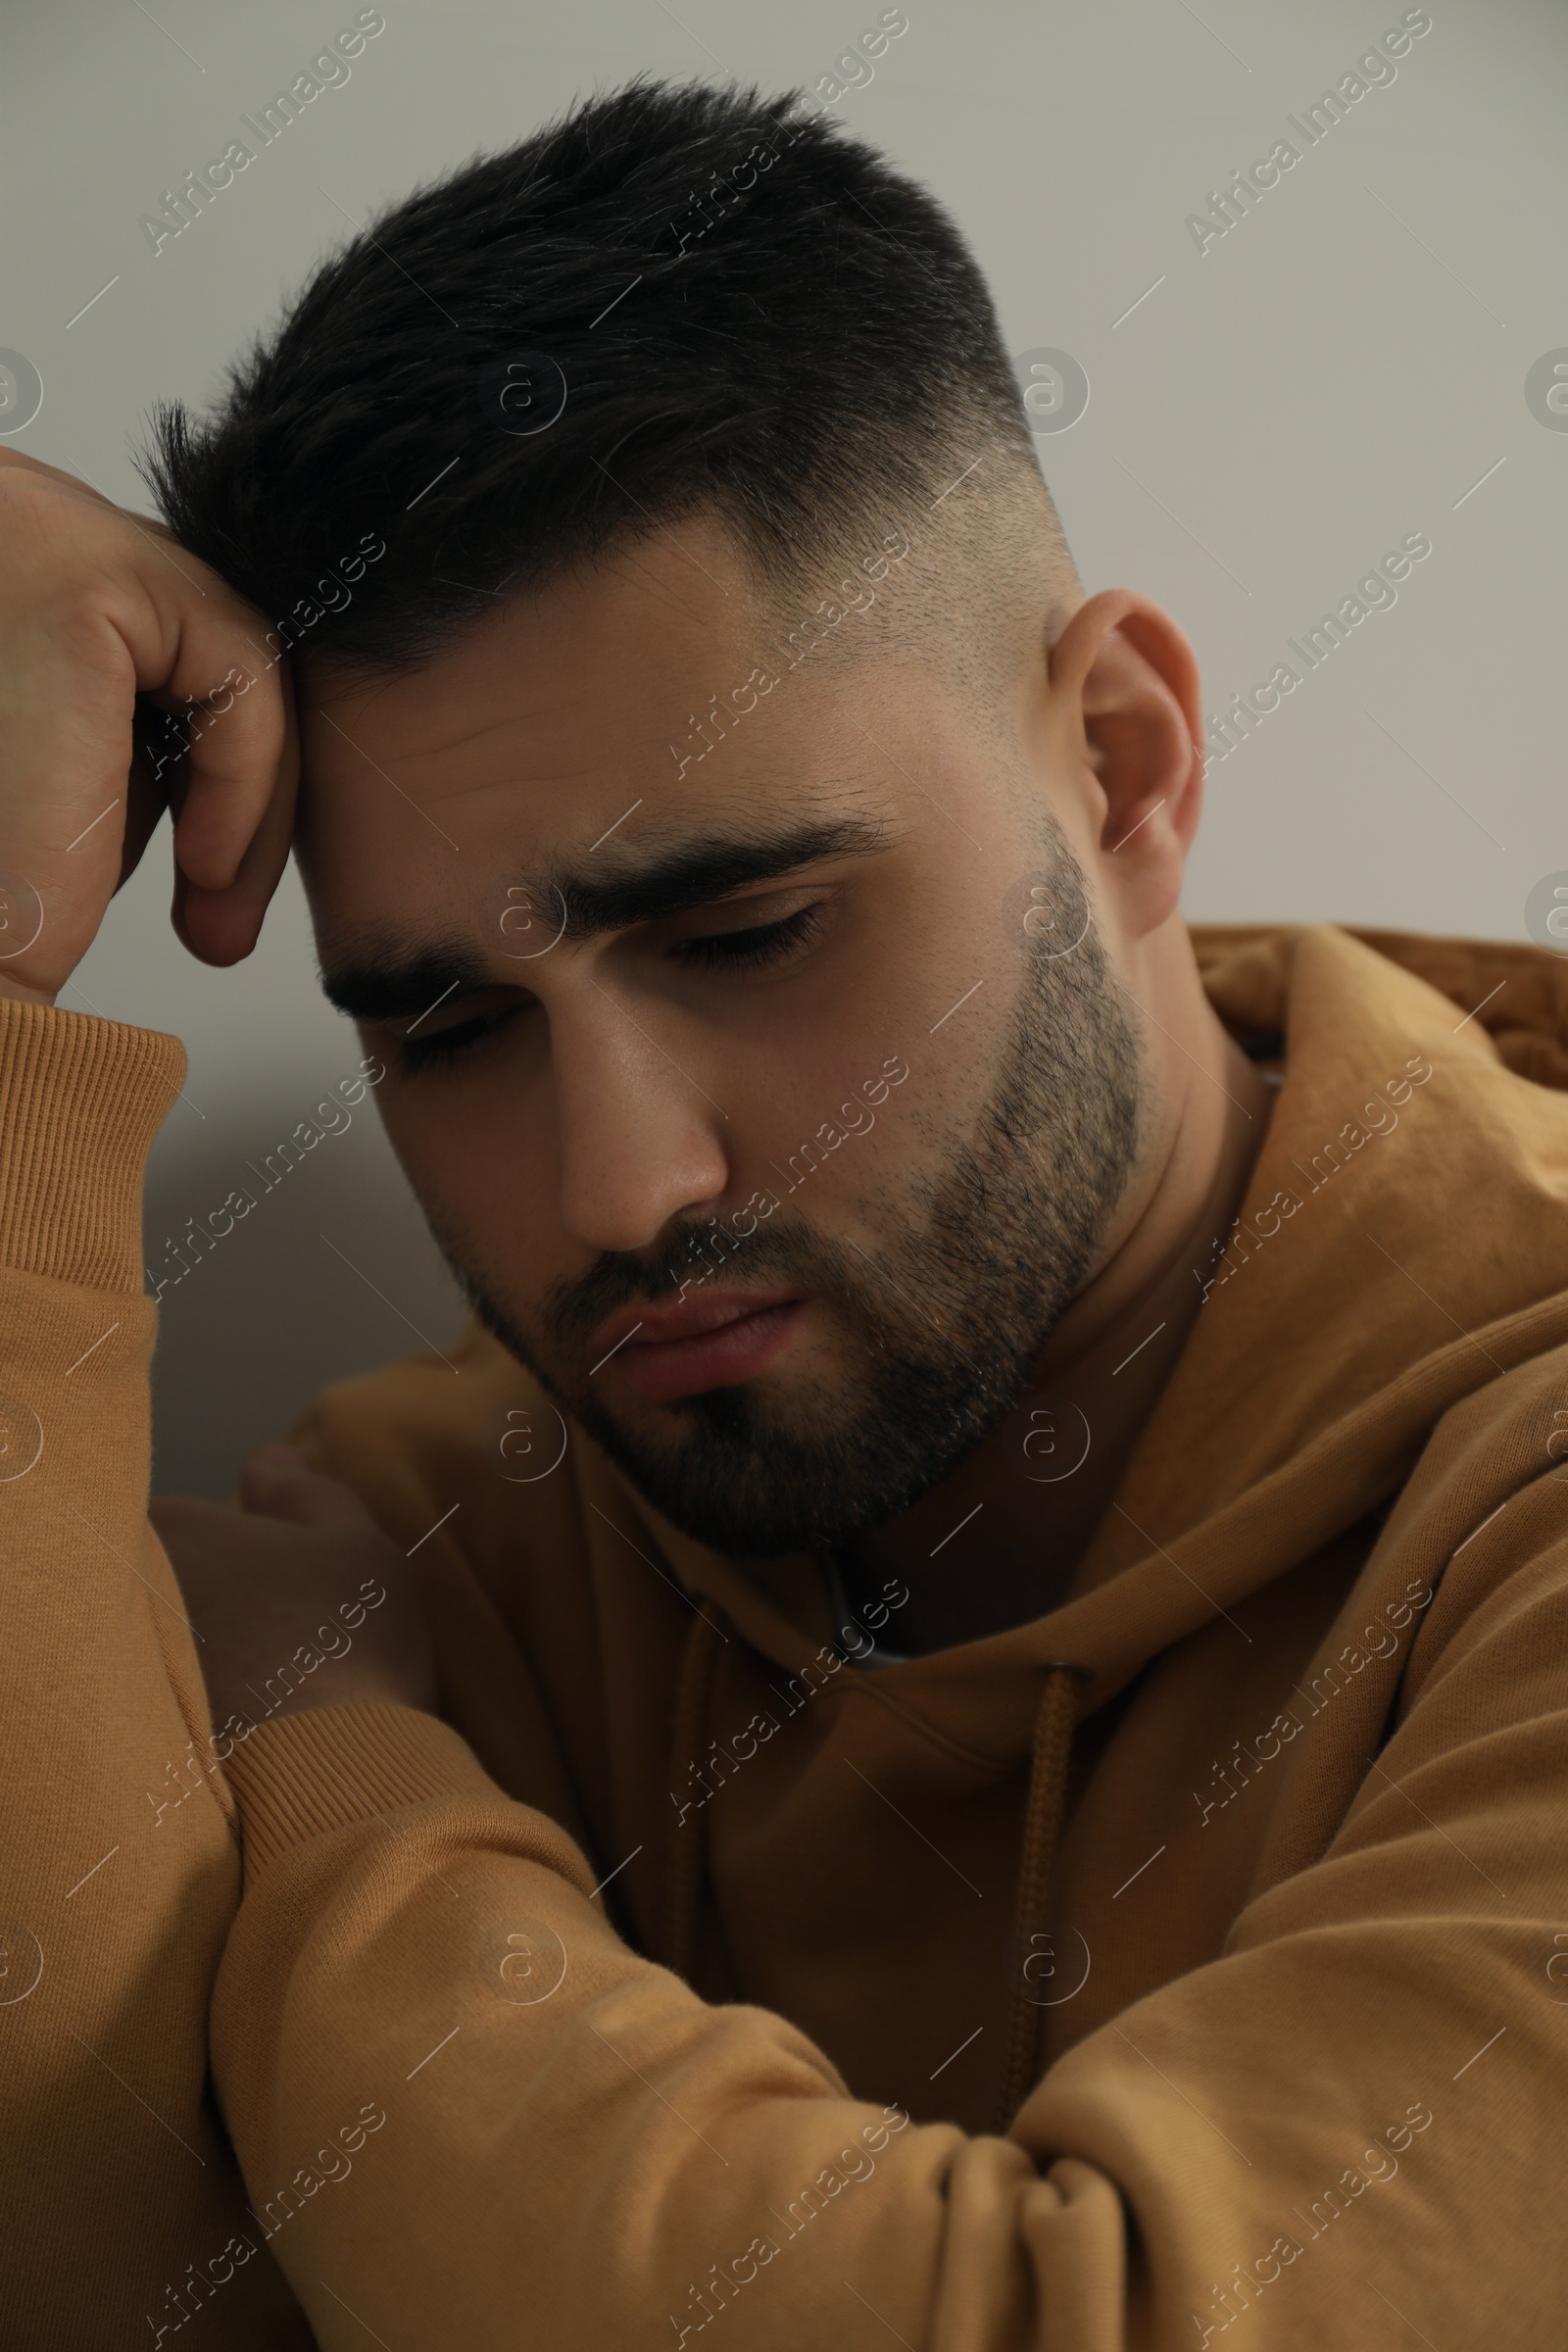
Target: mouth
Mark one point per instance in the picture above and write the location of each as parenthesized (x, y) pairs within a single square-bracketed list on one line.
[(713, 1343)]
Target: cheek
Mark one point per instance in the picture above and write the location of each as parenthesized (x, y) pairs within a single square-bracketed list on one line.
[(903, 1053)]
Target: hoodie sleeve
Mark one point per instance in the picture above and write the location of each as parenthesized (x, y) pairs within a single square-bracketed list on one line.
[(469, 2113), (119, 1868)]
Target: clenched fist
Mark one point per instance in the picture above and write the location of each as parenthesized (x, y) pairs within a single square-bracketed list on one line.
[(105, 620)]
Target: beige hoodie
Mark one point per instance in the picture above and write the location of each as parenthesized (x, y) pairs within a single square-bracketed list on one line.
[(683, 1980)]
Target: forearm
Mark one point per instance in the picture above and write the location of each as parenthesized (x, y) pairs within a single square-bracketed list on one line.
[(576, 2150), (578, 2153)]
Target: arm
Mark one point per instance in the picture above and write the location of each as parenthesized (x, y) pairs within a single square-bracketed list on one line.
[(119, 1856), (572, 2149)]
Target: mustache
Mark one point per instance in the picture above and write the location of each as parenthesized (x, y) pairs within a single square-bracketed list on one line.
[(573, 1310)]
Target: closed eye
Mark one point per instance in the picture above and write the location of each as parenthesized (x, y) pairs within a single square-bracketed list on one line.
[(441, 1048), (749, 949)]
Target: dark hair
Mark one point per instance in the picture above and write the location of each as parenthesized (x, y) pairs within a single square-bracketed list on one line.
[(723, 302)]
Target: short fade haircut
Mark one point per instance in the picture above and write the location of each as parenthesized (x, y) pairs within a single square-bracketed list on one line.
[(746, 313)]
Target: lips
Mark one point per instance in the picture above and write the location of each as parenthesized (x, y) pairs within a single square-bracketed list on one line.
[(709, 1343)]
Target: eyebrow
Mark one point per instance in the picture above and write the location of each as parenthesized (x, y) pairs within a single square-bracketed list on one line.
[(387, 984)]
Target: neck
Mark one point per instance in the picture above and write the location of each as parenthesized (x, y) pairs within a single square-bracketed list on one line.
[(998, 1542)]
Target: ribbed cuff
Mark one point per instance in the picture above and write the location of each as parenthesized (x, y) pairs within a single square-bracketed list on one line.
[(316, 1771), (80, 1101)]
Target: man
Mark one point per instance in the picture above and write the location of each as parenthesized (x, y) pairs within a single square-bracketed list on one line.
[(990, 1761)]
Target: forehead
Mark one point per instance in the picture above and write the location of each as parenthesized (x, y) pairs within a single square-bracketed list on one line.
[(624, 709), (613, 672)]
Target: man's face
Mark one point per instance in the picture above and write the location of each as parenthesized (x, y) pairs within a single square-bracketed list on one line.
[(763, 1075)]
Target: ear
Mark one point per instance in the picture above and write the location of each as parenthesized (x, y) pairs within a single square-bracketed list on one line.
[(1125, 689)]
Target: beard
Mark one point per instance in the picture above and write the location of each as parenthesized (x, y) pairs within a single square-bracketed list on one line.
[(940, 1324)]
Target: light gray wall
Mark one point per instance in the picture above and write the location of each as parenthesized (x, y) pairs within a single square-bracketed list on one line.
[(1338, 370)]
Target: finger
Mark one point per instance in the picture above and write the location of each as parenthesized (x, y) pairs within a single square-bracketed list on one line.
[(221, 925), (276, 1481), (189, 1514), (238, 723), (149, 785)]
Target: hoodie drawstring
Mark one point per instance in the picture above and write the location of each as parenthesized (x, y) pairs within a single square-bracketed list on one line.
[(683, 1874), (1055, 1719)]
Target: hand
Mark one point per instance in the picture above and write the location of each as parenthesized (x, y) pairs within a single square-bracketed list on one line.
[(298, 1598), (99, 607)]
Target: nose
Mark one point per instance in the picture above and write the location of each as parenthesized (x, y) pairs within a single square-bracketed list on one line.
[(640, 1140)]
